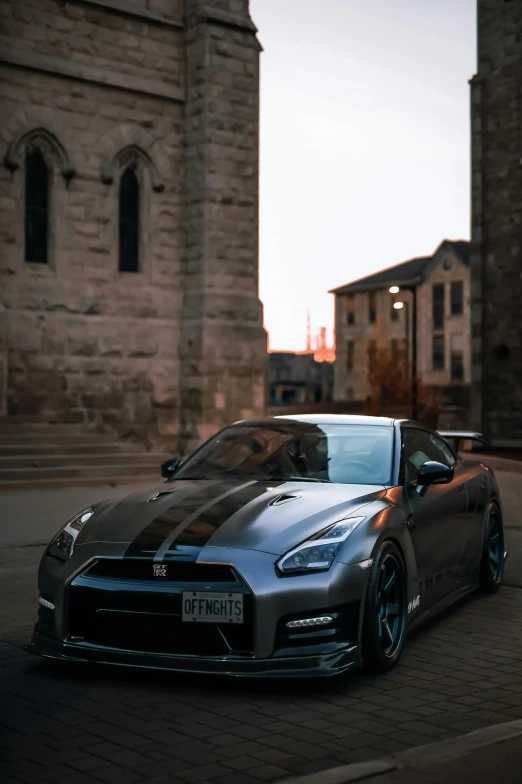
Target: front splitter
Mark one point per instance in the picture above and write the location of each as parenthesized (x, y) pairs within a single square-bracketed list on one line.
[(316, 666)]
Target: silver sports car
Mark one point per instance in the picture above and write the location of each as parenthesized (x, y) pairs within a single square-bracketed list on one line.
[(304, 545)]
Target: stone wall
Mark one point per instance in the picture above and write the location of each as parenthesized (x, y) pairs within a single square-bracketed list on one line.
[(177, 349), (496, 259), (3, 360), (223, 346)]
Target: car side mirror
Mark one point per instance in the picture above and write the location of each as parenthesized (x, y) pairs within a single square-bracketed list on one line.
[(434, 473), (169, 467)]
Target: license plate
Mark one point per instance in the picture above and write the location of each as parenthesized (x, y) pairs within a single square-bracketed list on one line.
[(212, 607)]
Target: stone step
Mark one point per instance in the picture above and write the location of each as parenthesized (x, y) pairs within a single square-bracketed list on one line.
[(55, 438), (56, 483), (16, 449), (120, 459), (104, 472), (36, 428), (17, 418)]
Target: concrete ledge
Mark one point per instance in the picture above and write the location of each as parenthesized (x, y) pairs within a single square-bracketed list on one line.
[(417, 758), (347, 773), (57, 66), (226, 19)]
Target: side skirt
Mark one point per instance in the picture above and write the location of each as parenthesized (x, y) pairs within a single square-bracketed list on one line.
[(441, 605)]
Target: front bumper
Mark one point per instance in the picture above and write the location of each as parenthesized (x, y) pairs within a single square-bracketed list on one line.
[(267, 649), (276, 667)]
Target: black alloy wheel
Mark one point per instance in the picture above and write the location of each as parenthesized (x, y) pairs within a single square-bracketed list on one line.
[(492, 563), (385, 613), (389, 604)]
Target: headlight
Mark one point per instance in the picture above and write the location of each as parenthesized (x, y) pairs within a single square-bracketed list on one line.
[(318, 552), (62, 544)]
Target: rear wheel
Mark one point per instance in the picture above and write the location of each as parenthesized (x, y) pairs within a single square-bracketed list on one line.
[(385, 612), (492, 563)]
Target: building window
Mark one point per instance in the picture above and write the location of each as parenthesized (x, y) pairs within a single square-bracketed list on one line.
[(394, 313), (457, 298), (36, 208), (438, 305), (457, 357), (129, 222), (394, 346), (350, 309), (438, 352), (350, 355), (372, 306)]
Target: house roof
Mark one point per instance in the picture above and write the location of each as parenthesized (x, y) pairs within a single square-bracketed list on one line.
[(407, 273)]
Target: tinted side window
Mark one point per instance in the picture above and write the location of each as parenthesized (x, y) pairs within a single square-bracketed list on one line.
[(446, 456), (418, 447)]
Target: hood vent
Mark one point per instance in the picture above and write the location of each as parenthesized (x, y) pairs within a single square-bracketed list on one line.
[(283, 499), (161, 494)]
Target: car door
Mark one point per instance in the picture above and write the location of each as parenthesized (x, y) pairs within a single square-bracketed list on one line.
[(478, 493), (437, 523)]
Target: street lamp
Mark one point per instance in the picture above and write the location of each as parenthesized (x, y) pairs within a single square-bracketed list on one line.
[(399, 306)]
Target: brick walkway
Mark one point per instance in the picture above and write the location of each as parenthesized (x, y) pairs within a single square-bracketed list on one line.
[(76, 725)]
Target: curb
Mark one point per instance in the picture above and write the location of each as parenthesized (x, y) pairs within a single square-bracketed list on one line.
[(418, 758)]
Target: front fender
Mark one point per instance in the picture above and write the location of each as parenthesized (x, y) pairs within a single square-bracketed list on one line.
[(386, 520)]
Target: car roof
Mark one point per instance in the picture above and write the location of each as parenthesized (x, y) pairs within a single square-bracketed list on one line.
[(340, 419)]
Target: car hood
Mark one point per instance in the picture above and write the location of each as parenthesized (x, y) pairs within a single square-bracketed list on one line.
[(182, 517)]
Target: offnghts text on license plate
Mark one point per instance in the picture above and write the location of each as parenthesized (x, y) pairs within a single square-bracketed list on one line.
[(212, 607)]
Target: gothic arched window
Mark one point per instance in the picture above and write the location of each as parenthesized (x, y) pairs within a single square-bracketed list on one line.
[(36, 208), (129, 222)]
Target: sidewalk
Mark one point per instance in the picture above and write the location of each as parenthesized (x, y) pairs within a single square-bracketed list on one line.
[(502, 763), (485, 755)]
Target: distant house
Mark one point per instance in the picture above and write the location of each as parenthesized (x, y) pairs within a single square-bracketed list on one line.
[(297, 377), (364, 312)]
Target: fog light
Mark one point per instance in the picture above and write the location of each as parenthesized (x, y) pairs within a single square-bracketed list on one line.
[(323, 620), (45, 603)]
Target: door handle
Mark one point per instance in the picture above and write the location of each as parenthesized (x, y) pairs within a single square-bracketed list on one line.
[(410, 521)]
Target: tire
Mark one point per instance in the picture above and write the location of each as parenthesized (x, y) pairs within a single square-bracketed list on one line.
[(384, 632), (492, 561)]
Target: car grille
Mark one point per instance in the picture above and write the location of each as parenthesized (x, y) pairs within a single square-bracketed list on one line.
[(155, 633), (142, 569), (146, 616)]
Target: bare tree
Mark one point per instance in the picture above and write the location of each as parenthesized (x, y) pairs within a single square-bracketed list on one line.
[(391, 384)]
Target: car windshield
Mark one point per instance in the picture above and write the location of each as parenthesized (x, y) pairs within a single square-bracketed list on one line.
[(279, 451)]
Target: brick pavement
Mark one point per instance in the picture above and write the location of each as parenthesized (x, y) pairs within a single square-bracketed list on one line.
[(87, 725)]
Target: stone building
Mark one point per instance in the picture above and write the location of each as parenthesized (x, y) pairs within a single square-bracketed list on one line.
[(365, 313), (297, 377), (496, 230), (129, 215)]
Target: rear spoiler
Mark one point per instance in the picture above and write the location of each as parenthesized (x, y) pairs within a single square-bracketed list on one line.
[(463, 435)]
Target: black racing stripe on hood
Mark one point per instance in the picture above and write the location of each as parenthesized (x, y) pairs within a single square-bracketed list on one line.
[(154, 534), (200, 531)]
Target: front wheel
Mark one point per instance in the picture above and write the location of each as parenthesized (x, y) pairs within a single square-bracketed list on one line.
[(385, 611), (492, 563)]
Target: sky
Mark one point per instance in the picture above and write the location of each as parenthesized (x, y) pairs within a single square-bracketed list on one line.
[(364, 152)]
